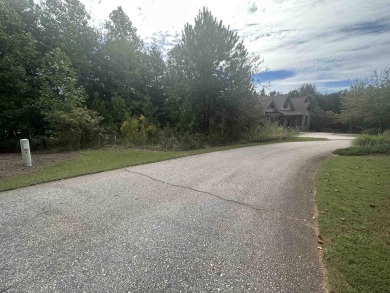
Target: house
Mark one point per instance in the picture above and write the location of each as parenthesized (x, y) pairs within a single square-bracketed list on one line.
[(287, 111)]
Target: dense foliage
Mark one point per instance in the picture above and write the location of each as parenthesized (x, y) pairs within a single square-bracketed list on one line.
[(216, 74), (65, 83), (367, 105), (366, 144)]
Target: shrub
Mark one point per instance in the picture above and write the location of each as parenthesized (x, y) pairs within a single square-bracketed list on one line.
[(190, 141), (139, 131), (170, 140), (73, 129), (131, 132), (363, 151), (371, 131), (272, 131), (367, 145), (372, 140)]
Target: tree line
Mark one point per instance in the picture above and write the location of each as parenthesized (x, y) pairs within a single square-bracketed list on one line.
[(64, 82)]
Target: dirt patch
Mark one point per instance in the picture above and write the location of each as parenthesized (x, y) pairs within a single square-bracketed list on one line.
[(12, 165)]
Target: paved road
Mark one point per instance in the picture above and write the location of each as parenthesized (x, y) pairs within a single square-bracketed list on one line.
[(231, 221), (327, 135)]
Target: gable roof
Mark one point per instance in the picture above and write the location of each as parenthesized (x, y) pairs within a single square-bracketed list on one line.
[(266, 102), (301, 104), (298, 105), (279, 101)]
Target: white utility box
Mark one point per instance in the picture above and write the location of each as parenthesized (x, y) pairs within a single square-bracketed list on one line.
[(26, 155)]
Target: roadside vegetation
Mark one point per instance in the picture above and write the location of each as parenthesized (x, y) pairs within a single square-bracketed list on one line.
[(366, 144), (354, 206), (75, 86)]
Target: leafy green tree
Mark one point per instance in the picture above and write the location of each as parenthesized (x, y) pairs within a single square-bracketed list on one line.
[(119, 27), (65, 24), (17, 65), (59, 87), (310, 91), (331, 102), (68, 122), (27, 11), (217, 71), (155, 106), (367, 104), (121, 67)]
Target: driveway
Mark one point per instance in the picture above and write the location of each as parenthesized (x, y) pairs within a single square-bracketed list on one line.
[(327, 135), (231, 221)]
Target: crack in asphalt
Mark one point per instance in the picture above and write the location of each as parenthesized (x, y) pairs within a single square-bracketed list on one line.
[(231, 201)]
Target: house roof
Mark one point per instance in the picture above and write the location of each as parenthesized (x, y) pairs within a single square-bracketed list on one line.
[(301, 104), (266, 101), (279, 101)]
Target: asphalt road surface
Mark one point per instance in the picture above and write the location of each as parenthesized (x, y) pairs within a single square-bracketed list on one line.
[(232, 221)]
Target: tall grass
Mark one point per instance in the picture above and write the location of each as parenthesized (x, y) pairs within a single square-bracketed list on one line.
[(366, 140), (272, 131), (366, 144)]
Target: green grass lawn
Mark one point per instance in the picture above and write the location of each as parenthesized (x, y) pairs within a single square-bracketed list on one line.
[(93, 161), (353, 197)]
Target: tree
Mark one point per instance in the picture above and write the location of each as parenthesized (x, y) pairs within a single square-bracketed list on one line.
[(367, 104), (217, 73), (65, 24), (155, 106), (331, 102), (17, 64), (119, 27), (68, 122), (59, 87), (121, 66)]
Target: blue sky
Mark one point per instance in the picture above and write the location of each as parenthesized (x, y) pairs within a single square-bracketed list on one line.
[(328, 43)]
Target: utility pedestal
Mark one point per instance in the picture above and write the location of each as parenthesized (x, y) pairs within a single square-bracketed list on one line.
[(26, 155)]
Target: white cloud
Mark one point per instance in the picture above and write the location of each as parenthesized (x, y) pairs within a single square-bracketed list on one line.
[(320, 40)]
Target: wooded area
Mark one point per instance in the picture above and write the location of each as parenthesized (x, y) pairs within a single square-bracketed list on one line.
[(65, 83)]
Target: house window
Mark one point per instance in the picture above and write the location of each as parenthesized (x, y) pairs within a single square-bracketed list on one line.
[(285, 104)]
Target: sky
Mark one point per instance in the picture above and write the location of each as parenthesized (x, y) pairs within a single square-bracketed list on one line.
[(328, 43)]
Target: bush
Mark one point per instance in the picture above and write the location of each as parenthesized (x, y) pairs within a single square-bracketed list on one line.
[(271, 131), (372, 140), (371, 131), (363, 151), (367, 145), (139, 131), (167, 139), (132, 131), (74, 129), (171, 140)]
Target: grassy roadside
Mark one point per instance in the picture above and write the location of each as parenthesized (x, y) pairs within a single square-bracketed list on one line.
[(354, 206), (93, 161)]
